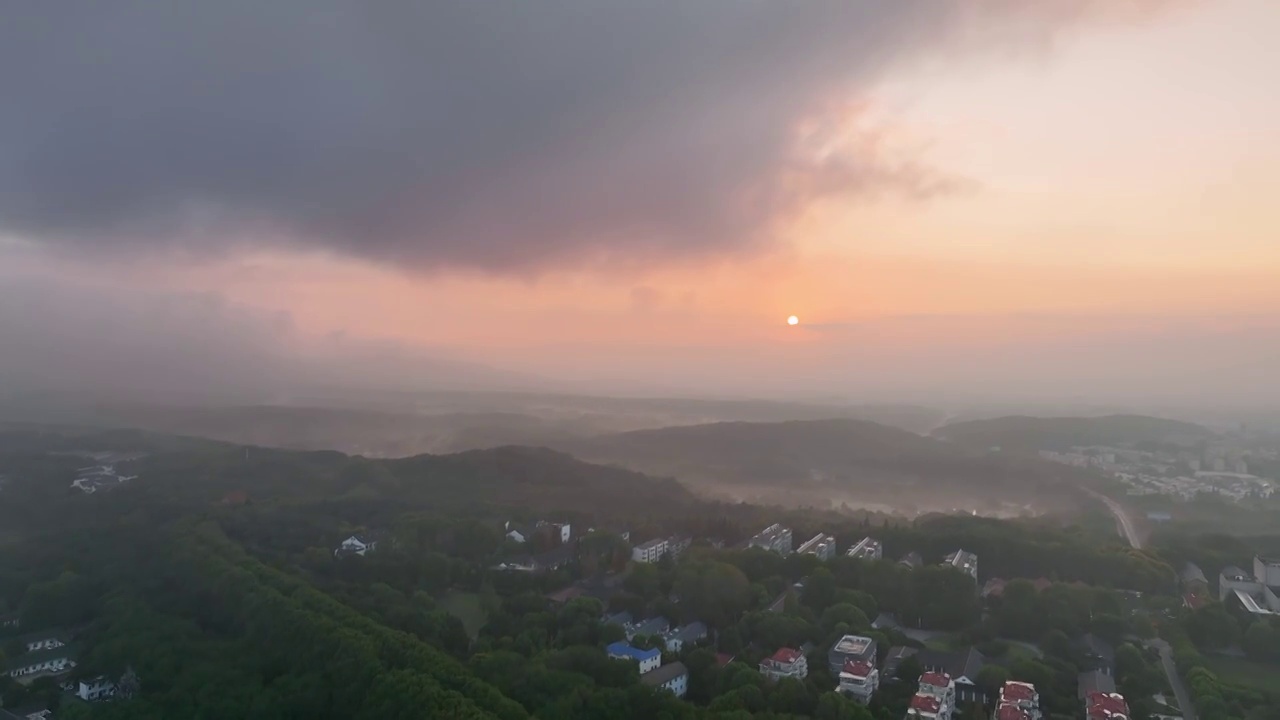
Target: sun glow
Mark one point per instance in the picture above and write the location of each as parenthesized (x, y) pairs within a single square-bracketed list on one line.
[(793, 320)]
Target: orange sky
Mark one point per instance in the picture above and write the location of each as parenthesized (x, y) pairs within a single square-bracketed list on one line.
[(1132, 169)]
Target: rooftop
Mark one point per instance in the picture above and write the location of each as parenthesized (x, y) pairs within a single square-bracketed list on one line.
[(925, 703), (866, 546), (651, 544), (786, 655), (692, 631), (857, 668), (625, 650), (935, 679), (1012, 712), (1232, 572), (1018, 691), (852, 645), (664, 674), (1102, 704)]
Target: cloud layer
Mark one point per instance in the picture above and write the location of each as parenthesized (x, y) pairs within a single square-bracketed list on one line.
[(503, 136)]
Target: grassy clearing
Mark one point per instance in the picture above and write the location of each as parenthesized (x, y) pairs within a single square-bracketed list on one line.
[(1247, 673), (466, 607)]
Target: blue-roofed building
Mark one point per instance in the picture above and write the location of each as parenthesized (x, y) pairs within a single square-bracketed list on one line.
[(647, 659), (691, 633)]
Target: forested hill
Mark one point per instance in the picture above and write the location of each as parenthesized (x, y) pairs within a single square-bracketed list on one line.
[(829, 457), (39, 468), (1019, 433)]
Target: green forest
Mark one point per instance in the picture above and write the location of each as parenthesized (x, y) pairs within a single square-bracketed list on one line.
[(211, 577)]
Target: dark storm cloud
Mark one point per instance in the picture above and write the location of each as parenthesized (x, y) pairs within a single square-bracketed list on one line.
[(499, 135)]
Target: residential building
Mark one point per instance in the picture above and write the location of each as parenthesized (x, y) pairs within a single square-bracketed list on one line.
[(926, 707), (562, 531), (51, 657), (652, 626), (1023, 697), (774, 538), (938, 685), (519, 533), (993, 588), (673, 678), (1106, 706), (850, 647), (964, 561), (1193, 576), (99, 688), (356, 545), (786, 662), (1094, 681), (859, 679), (677, 544), (911, 560), (647, 659), (866, 549), (896, 655), (622, 619), (1257, 594), (1010, 712), (1266, 571), (686, 635), (962, 666), (822, 546), (649, 552)]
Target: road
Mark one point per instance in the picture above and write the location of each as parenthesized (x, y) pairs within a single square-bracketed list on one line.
[(1122, 518), (1171, 670)]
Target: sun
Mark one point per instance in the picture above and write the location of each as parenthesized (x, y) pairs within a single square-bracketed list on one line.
[(793, 320)]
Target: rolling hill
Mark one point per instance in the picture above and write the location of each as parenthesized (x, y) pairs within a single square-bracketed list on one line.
[(834, 462), (1029, 434)]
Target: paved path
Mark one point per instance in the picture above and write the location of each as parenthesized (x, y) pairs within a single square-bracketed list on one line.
[(1171, 670), (1122, 519)]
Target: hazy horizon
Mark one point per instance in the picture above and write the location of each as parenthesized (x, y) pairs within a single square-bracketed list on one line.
[(1068, 202)]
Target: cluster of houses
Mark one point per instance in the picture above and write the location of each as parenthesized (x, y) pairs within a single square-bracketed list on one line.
[(673, 677), (53, 653)]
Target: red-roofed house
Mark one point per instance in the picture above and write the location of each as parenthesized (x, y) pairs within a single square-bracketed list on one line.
[(927, 707), (723, 659), (940, 686), (1020, 695), (1011, 712), (1106, 706), (859, 679), (787, 662)]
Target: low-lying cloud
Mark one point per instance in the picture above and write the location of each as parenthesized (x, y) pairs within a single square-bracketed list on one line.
[(504, 136)]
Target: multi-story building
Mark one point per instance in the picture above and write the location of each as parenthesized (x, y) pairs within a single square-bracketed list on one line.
[(673, 678), (647, 659), (850, 647), (677, 638), (867, 549), (822, 546), (927, 707), (786, 663), (964, 561), (649, 552), (1257, 594), (774, 538), (938, 685), (859, 679), (1021, 698)]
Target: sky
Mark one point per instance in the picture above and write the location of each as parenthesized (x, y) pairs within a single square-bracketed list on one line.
[(993, 200)]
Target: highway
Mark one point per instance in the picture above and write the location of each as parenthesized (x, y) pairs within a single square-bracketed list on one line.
[(1122, 519)]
